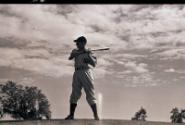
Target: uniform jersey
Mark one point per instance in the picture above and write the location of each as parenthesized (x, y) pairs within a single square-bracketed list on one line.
[(79, 60)]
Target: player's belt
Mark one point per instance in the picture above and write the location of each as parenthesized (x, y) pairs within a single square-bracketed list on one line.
[(81, 68)]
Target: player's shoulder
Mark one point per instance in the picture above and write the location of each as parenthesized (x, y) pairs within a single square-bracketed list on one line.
[(74, 51), (89, 51)]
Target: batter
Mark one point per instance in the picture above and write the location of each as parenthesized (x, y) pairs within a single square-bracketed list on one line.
[(82, 77)]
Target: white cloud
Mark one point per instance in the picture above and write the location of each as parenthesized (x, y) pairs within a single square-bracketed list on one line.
[(170, 70), (8, 56), (44, 67), (173, 53), (128, 56), (45, 22), (143, 80), (50, 67), (136, 68), (49, 30)]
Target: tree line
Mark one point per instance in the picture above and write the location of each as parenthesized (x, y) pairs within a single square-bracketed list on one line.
[(29, 103), (177, 115), (23, 102)]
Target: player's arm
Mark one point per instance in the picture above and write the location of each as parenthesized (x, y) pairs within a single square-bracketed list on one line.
[(92, 60), (72, 55)]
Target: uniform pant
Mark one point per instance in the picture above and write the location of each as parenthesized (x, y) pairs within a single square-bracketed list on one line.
[(83, 79)]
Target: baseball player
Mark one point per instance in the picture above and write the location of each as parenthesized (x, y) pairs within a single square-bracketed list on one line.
[(82, 77)]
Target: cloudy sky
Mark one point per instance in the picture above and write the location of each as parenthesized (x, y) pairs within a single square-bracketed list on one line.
[(144, 67)]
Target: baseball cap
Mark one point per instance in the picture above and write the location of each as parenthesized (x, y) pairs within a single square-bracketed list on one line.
[(81, 39)]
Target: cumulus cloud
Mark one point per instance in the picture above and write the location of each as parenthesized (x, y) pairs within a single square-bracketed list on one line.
[(99, 25), (171, 54), (34, 61), (142, 80), (170, 70), (136, 68), (39, 38)]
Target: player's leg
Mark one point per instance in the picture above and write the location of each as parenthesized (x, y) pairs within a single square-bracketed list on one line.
[(87, 81), (75, 96)]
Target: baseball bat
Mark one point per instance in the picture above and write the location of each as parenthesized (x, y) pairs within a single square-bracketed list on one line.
[(100, 49)]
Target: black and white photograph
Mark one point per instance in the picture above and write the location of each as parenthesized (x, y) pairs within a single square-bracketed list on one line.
[(92, 64)]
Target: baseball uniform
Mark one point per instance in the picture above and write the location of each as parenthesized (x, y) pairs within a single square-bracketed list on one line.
[(83, 78)]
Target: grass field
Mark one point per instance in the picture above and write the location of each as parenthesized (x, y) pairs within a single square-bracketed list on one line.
[(83, 122)]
